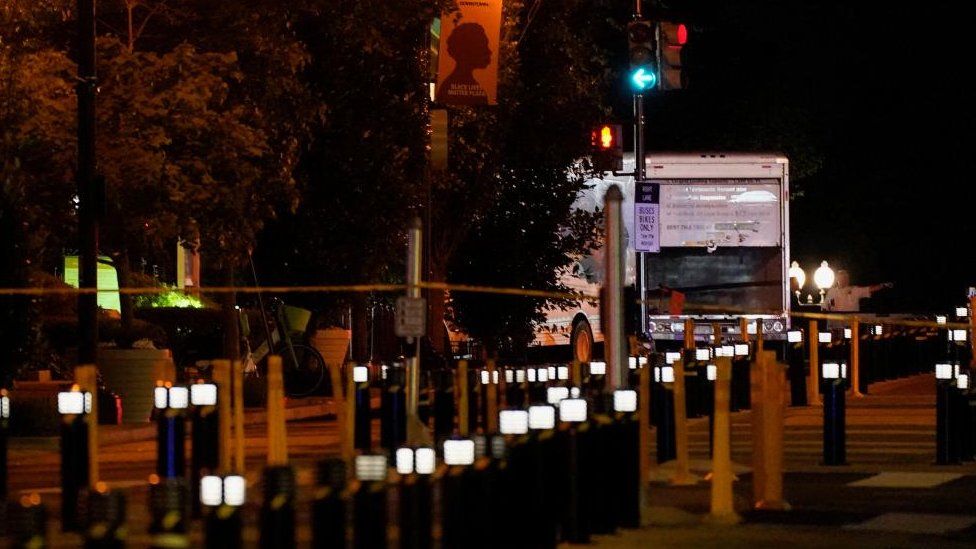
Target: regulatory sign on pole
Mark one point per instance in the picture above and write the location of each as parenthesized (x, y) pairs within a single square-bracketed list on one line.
[(411, 317), (647, 210)]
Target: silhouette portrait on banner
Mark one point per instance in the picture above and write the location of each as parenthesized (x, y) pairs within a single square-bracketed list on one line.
[(468, 46)]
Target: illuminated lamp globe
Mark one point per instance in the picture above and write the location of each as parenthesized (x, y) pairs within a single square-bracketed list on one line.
[(797, 273), (824, 276)]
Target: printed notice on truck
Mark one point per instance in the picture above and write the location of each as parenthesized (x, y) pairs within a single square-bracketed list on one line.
[(720, 213), (646, 217)]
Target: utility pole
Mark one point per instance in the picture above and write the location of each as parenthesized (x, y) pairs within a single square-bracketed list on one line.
[(89, 194)]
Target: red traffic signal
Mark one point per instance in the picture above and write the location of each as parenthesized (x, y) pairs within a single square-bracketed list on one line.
[(672, 38), (607, 147)]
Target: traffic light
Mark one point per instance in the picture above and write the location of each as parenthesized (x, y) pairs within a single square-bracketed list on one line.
[(671, 39), (607, 148), (643, 72)]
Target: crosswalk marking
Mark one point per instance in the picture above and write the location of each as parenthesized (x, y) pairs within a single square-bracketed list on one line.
[(915, 523), (906, 480)]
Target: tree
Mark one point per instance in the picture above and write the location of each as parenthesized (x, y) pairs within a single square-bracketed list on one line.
[(517, 171)]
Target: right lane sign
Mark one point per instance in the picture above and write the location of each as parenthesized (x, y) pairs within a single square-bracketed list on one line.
[(647, 210)]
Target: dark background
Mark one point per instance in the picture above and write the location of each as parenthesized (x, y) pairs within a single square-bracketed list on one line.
[(872, 104)]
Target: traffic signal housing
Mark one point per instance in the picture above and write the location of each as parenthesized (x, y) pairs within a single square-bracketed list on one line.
[(671, 39), (607, 154), (641, 48)]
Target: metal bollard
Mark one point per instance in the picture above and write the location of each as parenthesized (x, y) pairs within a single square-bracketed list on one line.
[(363, 430), (741, 394), (393, 409), (794, 356), (457, 520), (573, 413), (663, 401), (205, 421), (170, 403), (627, 458), (369, 503), (73, 406), (601, 476), (278, 507), (222, 498), (4, 426), (443, 404), (168, 507), (416, 497), (967, 435), (104, 519), (834, 413), (946, 452), (28, 523), (542, 498), (329, 506)]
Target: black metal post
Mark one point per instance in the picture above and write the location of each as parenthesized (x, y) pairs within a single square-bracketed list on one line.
[(105, 520), (278, 507), (168, 509), (945, 451), (329, 506), (171, 443), (205, 456), (89, 197), (74, 468), (834, 422)]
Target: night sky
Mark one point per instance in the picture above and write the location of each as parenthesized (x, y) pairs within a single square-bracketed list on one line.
[(869, 101)]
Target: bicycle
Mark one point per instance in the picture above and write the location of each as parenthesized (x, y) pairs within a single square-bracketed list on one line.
[(303, 367)]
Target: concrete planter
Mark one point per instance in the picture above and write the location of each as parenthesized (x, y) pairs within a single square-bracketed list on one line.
[(132, 373)]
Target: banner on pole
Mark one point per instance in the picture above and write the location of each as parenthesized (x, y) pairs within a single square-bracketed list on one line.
[(647, 206), (467, 67)]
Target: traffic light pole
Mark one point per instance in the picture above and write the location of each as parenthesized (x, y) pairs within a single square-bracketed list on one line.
[(640, 174), (88, 197)]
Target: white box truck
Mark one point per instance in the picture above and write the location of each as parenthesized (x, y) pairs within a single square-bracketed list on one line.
[(723, 231)]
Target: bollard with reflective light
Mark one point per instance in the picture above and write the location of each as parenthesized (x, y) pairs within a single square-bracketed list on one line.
[(711, 375), (168, 508), (741, 368), (369, 503), (393, 409), (965, 427), (573, 415), (329, 505), (105, 519), (415, 466), (834, 413), (171, 404), (946, 452), (222, 498), (627, 425), (363, 416), (546, 480), (205, 423), (663, 400), (515, 474), (4, 425), (457, 530), (796, 371), (73, 406)]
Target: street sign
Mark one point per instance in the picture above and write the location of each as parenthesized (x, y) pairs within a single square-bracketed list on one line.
[(647, 206), (411, 317)]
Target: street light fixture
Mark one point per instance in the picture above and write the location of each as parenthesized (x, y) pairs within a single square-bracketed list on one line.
[(799, 276), (823, 277)]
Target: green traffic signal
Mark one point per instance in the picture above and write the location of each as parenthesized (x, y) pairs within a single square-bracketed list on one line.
[(642, 50), (642, 79)]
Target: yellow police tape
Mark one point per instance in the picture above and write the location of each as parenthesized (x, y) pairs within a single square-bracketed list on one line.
[(470, 288)]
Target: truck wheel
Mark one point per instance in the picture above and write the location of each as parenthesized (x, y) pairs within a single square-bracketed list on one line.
[(581, 341)]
